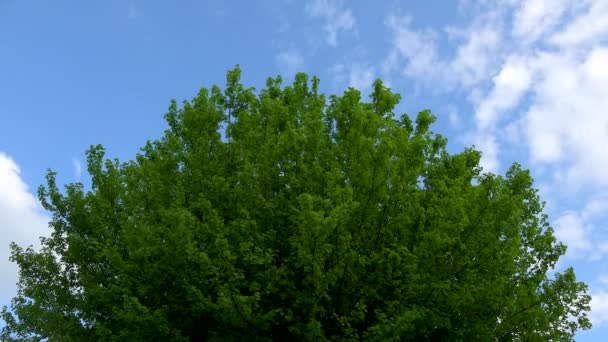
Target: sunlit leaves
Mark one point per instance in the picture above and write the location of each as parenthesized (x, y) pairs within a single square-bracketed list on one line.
[(284, 214)]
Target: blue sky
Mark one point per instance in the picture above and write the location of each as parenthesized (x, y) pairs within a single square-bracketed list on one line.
[(522, 80)]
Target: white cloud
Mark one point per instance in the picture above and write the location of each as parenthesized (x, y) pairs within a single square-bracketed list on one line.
[(354, 75), (589, 25), (599, 251), (335, 16), (583, 231), (534, 18), (599, 308), (536, 67), (488, 146), (571, 229), (361, 77), (453, 117), (21, 220), (596, 208), (476, 56), (413, 53), (567, 125), (290, 62), (508, 87)]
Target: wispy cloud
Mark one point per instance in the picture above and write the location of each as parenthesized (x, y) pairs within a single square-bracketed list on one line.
[(356, 75), (535, 67), (413, 53), (290, 62), (453, 117), (77, 166), (335, 16)]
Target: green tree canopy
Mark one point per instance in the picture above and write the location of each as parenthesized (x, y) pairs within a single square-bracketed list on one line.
[(285, 214)]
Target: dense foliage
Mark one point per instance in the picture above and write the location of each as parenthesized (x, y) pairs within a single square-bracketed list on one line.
[(283, 215)]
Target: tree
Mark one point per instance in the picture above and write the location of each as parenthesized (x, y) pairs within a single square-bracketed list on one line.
[(285, 215)]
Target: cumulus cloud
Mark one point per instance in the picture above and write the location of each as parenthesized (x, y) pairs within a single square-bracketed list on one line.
[(509, 86), (564, 124), (588, 26), (534, 18), (335, 18), (567, 124), (572, 229), (583, 231), (488, 145), (537, 68), (21, 220), (599, 308)]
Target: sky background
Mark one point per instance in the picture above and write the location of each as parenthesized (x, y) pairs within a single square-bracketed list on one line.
[(523, 81)]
